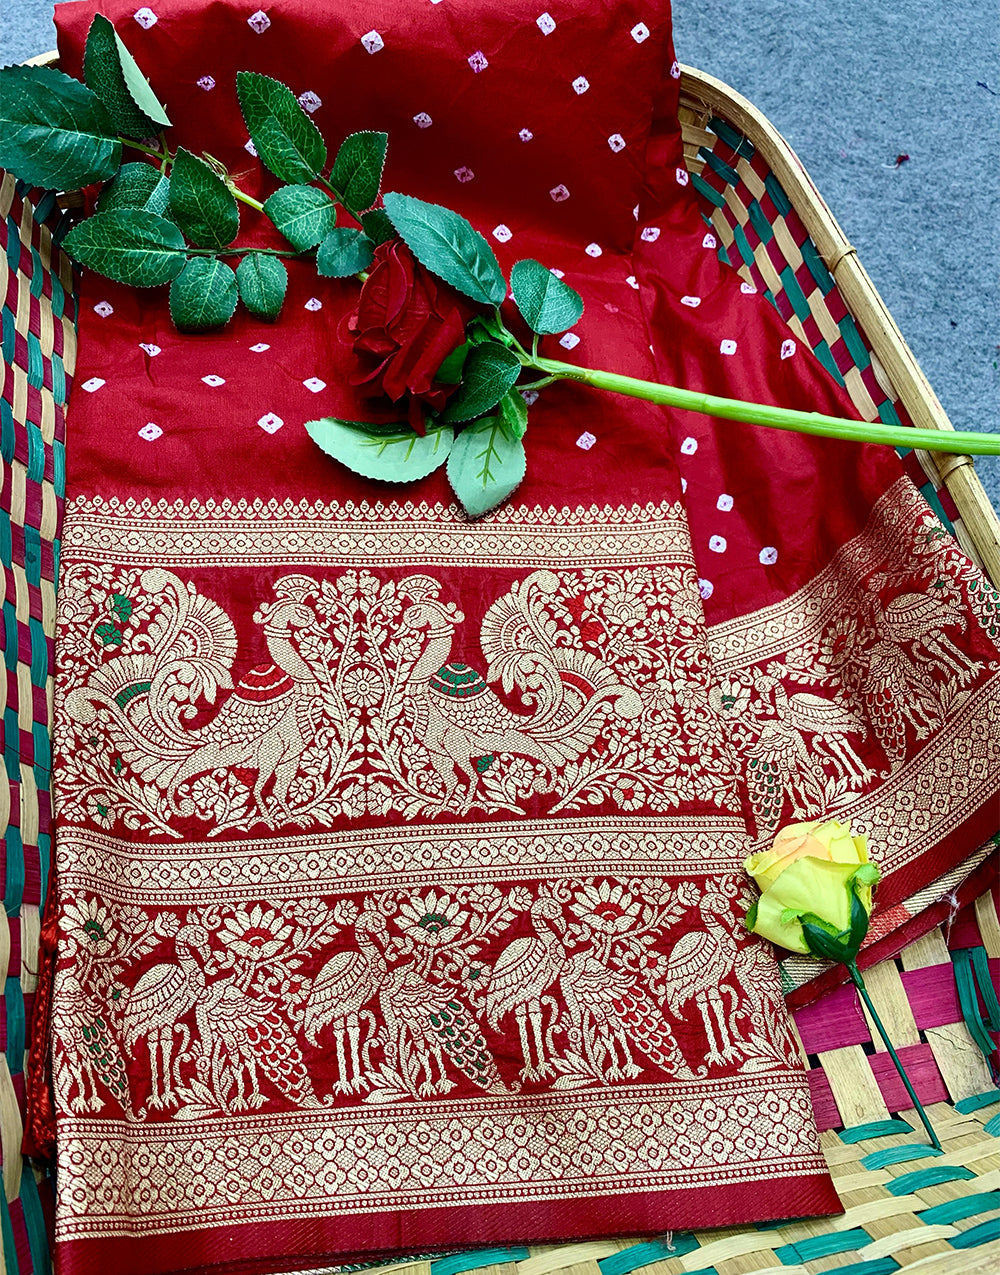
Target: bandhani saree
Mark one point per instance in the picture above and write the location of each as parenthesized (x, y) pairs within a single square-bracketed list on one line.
[(398, 891)]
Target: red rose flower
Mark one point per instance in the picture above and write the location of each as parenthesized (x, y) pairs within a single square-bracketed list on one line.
[(409, 322)]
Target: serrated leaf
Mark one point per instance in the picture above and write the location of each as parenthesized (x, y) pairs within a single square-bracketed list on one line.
[(284, 136), (111, 71), (397, 457), (490, 371), (131, 187), (159, 200), (54, 131), (514, 414), (303, 214), (357, 170), (448, 245), (262, 280), (202, 204), (485, 466), (377, 226), (204, 295), (547, 304), (128, 245), (344, 252)]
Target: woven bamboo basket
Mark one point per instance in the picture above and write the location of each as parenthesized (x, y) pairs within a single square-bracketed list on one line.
[(906, 1207)]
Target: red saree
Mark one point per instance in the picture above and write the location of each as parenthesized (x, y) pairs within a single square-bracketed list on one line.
[(399, 893)]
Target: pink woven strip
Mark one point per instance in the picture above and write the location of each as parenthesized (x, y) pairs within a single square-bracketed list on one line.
[(832, 1022), (922, 1071)]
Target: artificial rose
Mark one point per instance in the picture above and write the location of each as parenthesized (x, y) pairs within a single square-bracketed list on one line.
[(813, 871), (409, 322)]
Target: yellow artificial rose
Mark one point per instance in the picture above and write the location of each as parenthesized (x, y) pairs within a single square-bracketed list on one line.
[(814, 871)]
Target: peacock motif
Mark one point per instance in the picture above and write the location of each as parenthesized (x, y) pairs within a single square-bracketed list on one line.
[(85, 1050), (698, 970)]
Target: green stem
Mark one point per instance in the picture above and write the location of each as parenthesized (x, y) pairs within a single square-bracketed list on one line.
[(163, 155), (859, 983), (166, 160), (246, 199), (960, 442)]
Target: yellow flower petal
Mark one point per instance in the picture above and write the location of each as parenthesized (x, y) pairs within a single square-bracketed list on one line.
[(769, 925), (818, 886)]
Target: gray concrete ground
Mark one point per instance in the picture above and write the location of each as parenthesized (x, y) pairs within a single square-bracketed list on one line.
[(853, 85)]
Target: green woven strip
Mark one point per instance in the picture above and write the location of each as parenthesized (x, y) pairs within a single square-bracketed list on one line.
[(852, 339), (877, 1129), (13, 889), (59, 469), (717, 165), (759, 221), (965, 981), (457, 1262), (13, 244), (58, 379), (7, 1234), (36, 362), (977, 1101), (981, 969), (877, 1266), (9, 337), (34, 1221), (38, 272), (706, 191), (817, 266), (992, 1127), (954, 1210), (14, 999), (825, 356), (794, 293), (778, 196), (7, 443), (817, 1246), (897, 1155), (888, 414), (984, 1233), (743, 244), (933, 1175), (36, 453), (742, 145), (630, 1259)]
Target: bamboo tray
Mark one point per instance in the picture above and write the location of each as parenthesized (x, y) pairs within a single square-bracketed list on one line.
[(905, 1207)]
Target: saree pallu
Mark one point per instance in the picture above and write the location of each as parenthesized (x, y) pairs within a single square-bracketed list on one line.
[(398, 900)]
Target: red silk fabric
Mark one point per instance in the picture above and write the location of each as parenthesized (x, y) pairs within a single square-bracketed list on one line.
[(399, 891)]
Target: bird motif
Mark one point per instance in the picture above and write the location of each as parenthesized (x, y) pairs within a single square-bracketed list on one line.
[(896, 690), (462, 722), (919, 619), (157, 1004), (698, 967), (340, 990), (87, 1051), (256, 1039), (525, 969)]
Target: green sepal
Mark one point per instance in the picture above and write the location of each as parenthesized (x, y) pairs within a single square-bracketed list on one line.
[(54, 131), (393, 454), (285, 138), (377, 226), (344, 252), (128, 245), (204, 295), (490, 371), (111, 71), (514, 414), (202, 204), (303, 214), (357, 170), (132, 186), (448, 246), (824, 941), (262, 280), (485, 465), (750, 920), (547, 304)]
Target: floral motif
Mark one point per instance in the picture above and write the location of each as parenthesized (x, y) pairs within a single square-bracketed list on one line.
[(607, 908), (433, 920), (256, 935), (89, 922)]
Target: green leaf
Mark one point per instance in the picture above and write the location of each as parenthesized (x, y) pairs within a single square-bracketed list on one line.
[(303, 214), (128, 245), (203, 205), (111, 71), (485, 466), (344, 252), (447, 245), (823, 941), (54, 132), (400, 456), (284, 136), (204, 295), (357, 170), (377, 226), (131, 187), (514, 414), (159, 200), (262, 280), (490, 371), (450, 371), (546, 303)]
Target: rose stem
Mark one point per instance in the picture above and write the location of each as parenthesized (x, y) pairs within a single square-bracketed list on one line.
[(859, 983), (166, 159), (960, 442)]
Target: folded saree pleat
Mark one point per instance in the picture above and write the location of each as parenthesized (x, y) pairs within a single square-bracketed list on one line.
[(399, 890)]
